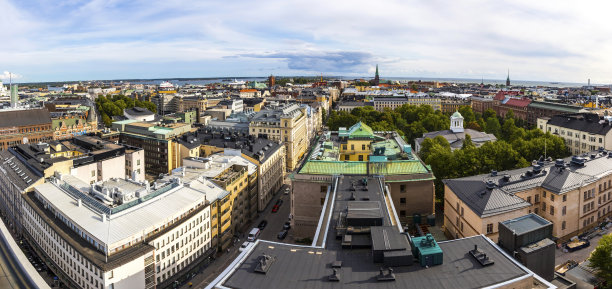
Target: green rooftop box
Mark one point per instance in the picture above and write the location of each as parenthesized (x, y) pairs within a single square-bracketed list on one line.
[(427, 251)]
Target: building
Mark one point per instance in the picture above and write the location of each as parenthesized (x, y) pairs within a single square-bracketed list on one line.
[(269, 156), (574, 194), (139, 114), (360, 151), (157, 141), (348, 106), (118, 233), (449, 105), (361, 245), (541, 109), (502, 103), (24, 126), (582, 132), (456, 134), (287, 124), (395, 101), (236, 175), (481, 104)]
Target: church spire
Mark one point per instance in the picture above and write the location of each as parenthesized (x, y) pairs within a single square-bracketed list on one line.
[(508, 78), (376, 77)]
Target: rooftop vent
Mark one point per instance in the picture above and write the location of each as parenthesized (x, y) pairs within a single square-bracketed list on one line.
[(264, 263), (506, 178), (601, 149), (593, 156), (578, 161), (386, 277), (352, 198), (559, 163), (334, 277), (493, 173), (490, 185), (537, 169), (481, 257)]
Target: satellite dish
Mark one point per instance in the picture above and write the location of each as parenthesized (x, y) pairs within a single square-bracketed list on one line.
[(25, 140)]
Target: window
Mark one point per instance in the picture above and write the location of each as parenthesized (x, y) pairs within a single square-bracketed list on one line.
[(461, 211), (535, 210), (552, 210), (529, 199), (537, 199), (563, 211), (544, 194), (461, 226), (360, 158), (346, 157), (403, 190), (564, 198), (552, 197), (402, 213), (402, 200), (489, 228), (457, 221), (563, 225), (352, 147), (363, 147), (543, 207)]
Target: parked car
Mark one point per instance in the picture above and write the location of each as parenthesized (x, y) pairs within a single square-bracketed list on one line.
[(245, 246), (253, 234), (287, 226), (287, 189), (262, 224), (275, 208), (282, 234)]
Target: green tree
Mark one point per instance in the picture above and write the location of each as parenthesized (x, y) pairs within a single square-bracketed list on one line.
[(492, 126), (467, 113), (601, 260), (467, 142)]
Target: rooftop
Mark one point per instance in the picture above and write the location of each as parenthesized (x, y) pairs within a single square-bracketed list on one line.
[(26, 117), (295, 266), (490, 194), (526, 223)]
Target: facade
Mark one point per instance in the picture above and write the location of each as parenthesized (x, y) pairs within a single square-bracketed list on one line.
[(139, 114), (348, 106), (112, 234), (157, 141), (393, 102), (360, 151), (449, 105), (191, 103), (574, 194), (481, 104), (287, 124), (24, 126), (582, 132), (503, 103), (362, 245), (456, 134), (541, 109)]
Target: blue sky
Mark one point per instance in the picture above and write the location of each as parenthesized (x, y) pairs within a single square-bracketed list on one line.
[(55, 40)]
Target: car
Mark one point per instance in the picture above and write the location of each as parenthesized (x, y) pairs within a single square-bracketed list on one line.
[(253, 234), (275, 208), (245, 246), (282, 234), (287, 191), (287, 226), (279, 202), (262, 224)]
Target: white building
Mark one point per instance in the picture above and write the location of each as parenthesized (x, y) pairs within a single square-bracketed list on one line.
[(119, 233), (3, 90)]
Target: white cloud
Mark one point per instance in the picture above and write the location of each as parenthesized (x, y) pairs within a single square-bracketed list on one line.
[(7, 76), (537, 40)]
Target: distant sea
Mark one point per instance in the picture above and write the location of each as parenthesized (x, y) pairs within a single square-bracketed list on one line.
[(204, 81)]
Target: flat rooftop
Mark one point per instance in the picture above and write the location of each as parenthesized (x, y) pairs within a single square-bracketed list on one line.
[(129, 223), (526, 223), (302, 267)]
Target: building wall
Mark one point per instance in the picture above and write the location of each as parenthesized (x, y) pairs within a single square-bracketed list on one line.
[(87, 173), (271, 177), (111, 168), (307, 200), (135, 164), (577, 142), (355, 150), (12, 136), (130, 275), (411, 197)]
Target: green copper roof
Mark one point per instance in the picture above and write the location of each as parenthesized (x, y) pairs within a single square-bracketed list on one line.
[(361, 130), (404, 167), (457, 114)]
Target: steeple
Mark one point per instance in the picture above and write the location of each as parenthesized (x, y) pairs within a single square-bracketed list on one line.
[(508, 78), (376, 77)]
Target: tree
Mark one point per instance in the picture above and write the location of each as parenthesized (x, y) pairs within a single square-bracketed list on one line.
[(467, 113), (467, 142), (601, 260), (492, 126)]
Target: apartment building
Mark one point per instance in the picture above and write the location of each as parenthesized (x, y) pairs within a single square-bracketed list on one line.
[(157, 140), (287, 124), (24, 126), (481, 104), (450, 105), (582, 132), (118, 233), (395, 101), (540, 109), (574, 194)]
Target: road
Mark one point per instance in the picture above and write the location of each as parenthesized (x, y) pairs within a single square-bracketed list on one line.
[(578, 256), (275, 225)]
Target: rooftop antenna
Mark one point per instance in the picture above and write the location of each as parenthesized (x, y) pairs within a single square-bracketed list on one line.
[(544, 147)]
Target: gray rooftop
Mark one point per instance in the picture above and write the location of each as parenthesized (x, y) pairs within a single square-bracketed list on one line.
[(300, 267), (526, 223)]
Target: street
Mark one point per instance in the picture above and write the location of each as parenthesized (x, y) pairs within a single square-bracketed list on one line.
[(275, 225), (579, 255)]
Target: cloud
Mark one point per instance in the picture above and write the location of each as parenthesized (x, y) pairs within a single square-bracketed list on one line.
[(8, 75), (328, 61)]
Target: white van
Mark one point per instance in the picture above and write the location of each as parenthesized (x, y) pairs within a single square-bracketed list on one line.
[(253, 234)]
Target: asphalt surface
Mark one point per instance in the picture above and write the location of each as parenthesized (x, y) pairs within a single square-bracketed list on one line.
[(579, 255), (270, 232)]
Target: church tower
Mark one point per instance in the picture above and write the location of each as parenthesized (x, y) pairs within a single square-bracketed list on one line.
[(456, 124), (376, 77), (508, 78)]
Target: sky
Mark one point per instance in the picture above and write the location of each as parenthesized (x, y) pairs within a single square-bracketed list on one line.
[(61, 40)]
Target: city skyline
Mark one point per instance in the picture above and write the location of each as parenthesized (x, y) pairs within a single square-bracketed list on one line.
[(83, 40)]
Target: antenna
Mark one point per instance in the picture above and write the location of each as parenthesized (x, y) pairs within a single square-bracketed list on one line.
[(544, 147)]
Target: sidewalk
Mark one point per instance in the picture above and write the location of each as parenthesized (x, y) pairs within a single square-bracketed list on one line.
[(207, 275)]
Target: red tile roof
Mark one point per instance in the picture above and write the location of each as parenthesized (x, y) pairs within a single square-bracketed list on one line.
[(518, 102)]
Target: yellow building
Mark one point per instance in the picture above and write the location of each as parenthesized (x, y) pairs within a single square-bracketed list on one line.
[(574, 194), (355, 142)]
